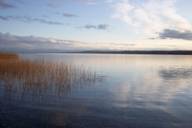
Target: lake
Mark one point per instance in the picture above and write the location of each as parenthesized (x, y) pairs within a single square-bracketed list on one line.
[(103, 91)]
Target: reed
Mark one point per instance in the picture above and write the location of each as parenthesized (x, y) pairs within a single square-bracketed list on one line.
[(40, 76), (8, 56)]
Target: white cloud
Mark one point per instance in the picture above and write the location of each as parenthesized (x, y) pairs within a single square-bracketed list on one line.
[(151, 16)]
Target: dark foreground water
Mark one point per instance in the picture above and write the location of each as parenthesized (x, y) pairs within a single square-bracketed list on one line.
[(129, 91)]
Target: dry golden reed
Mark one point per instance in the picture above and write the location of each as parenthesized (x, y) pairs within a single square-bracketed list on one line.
[(41, 75), (8, 56)]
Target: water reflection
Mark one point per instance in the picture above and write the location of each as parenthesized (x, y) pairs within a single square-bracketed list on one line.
[(137, 91), (176, 73), (158, 87)]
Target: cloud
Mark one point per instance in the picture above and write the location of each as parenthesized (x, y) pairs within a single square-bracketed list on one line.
[(29, 20), (32, 43), (98, 27), (14, 43), (59, 3), (5, 5), (151, 16), (90, 2), (174, 34), (9, 42), (69, 15)]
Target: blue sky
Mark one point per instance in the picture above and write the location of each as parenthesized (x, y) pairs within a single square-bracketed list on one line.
[(100, 24)]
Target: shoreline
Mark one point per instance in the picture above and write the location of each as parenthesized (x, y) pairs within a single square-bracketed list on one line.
[(135, 52)]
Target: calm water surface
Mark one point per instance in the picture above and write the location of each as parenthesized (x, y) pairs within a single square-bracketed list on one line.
[(130, 91)]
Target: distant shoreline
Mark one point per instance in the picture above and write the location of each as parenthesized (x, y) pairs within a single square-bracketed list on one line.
[(179, 52), (139, 52)]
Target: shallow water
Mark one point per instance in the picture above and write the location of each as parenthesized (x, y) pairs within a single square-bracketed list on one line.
[(130, 91)]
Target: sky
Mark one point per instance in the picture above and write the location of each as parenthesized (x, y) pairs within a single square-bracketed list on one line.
[(95, 24)]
